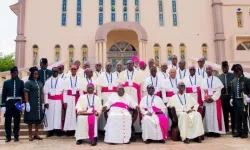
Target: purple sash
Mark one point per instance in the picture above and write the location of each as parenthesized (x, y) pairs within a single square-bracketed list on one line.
[(163, 122), (120, 105), (91, 125)]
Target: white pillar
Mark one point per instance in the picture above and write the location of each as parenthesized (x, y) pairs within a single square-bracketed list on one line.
[(104, 54), (100, 52), (145, 52), (141, 50), (96, 52)]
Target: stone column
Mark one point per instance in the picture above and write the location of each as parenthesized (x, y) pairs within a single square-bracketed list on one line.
[(219, 37), (20, 38), (145, 52), (100, 52), (96, 52), (104, 54), (141, 50)]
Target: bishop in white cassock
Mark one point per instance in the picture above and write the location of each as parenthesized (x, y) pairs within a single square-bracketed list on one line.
[(154, 80), (88, 109), (61, 72), (151, 63), (119, 122), (182, 72), (193, 85), (142, 74), (131, 81), (201, 69), (118, 70), (154, 122), (107, 82), (88, 79), (211, 91), (72, 91), (174, 63), (53, 97), (98, 71), (163, 74), (189, 120)]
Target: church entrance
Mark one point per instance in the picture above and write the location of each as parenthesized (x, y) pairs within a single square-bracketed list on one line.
[(121, 52), (121, 46)]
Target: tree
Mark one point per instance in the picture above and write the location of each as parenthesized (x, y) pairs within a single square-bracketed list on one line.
[(6, 61)]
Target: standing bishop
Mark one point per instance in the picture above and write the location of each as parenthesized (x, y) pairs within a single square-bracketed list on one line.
[(211, 91), (53, 98)]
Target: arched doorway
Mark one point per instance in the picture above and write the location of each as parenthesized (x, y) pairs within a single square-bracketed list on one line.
[(121, 52)]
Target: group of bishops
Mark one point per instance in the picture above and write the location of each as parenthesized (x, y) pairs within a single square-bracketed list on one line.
[(81, 102)]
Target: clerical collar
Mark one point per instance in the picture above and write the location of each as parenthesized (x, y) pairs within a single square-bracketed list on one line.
[(225, 73), (90, 95)]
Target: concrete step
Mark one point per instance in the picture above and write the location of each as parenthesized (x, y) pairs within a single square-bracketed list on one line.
[(22, 132), (24, 137), (22, 126)]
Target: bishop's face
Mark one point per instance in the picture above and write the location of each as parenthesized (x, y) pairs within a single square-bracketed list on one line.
[(120, 91)]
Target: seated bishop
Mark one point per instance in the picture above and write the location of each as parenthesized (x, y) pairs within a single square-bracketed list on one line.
[(189, 120), (88, 109), (119, 122), (154, 121)]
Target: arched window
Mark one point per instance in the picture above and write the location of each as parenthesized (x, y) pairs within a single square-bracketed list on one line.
[(204, 51), (84, 53), (113, 11), (71, 54), (57, 53), (170, 52), (161, 17), (182, 51), (64, 12), (157, 54), (79, 13), (239, 18), (174, 10), (244, 46), (125, 10), (137, 11), (35, 54)]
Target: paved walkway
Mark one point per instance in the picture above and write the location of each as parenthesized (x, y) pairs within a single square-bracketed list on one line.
[(223, 143)]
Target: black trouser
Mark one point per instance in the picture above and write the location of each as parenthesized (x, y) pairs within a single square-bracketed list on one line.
[(227, 109), (241, 120), (12, 111)]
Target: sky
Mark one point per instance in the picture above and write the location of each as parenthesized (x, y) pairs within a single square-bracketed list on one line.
[(8, 27)]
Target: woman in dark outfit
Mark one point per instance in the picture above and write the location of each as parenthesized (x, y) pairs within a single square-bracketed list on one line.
[(33, 94)]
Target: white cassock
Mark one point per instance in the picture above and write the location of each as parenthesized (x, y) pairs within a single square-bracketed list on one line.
[(190, 125), (107, 83), (85, 82), (87, 103), (172, 66), (72, 91), (163, 76), (118, 127), (96, 74), (147, 70), (193, 84), (201, 72), (168, 89), (181, 74), (151, 127), (80, 73), (156, 82), (53, 90), (142, 74), (63, 76), (214, 121), (117, 74), (131, 81)]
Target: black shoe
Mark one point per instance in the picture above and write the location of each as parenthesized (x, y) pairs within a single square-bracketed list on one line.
[(162, 141), (79, 142), (186, 141), (198, 140), (209, 134), (216, 135), (147, 142), (58, 133), (94, 142), (50, 133), (36, 137), (236, 134), (7, 140), (16, 139), (244, 135)]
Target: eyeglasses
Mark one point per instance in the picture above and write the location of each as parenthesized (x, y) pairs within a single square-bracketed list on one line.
[(98, 65), (192, 69)]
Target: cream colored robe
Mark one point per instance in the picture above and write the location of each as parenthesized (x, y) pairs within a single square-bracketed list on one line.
[(82, 120), (190, 125), (151, 128)]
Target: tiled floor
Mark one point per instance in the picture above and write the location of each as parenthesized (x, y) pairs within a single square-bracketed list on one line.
[(225, 142)]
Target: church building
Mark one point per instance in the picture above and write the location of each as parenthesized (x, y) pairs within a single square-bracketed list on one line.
[(115, 30)]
